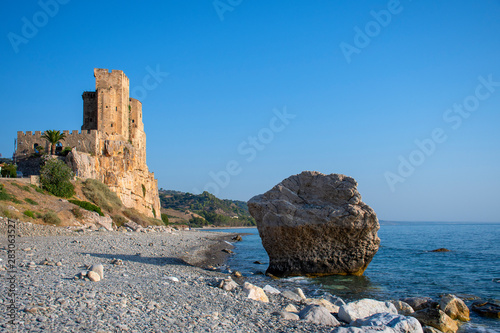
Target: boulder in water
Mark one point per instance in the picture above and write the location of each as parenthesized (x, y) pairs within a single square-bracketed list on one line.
[(316, 224)]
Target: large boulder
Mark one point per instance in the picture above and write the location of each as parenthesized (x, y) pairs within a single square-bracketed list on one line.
[(454, 307), (318, 314), (316, 224), (437, 319), (399, 323), (364, 308)]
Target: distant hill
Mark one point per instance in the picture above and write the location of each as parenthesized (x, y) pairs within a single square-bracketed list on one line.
[(204, 209)]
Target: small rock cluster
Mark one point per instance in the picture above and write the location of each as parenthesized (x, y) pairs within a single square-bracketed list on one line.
[(95, 273), (135, 227), (411, 315)]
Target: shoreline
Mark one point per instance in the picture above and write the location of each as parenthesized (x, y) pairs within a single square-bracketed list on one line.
[(223, 228), (162, 285)]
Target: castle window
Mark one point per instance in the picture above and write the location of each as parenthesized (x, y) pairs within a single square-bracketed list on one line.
[(116, 108), (111, 125), (106, 106), (133, 121)]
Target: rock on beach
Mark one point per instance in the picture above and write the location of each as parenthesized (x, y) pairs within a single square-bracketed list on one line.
[(316, 224)]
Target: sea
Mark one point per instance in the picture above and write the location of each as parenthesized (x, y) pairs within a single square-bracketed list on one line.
[(405, 265)]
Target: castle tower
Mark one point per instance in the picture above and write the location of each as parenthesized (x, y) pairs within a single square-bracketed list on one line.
[(107, 109)]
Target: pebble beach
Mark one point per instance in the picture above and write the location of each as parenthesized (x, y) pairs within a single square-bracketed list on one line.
[(88, 280), (153, 282)]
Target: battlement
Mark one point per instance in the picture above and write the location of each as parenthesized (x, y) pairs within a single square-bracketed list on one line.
[(84, 141), (89, 95)]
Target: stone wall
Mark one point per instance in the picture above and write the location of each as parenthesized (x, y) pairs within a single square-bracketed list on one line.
[(85, 141)]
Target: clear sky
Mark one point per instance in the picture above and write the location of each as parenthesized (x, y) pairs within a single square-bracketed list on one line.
[(404, 96)]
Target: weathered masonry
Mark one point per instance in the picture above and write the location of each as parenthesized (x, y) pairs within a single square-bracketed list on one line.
[(111, 145)]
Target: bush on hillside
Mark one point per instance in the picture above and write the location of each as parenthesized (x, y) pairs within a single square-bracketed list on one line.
[(164, 218), (101, 195), (55, 177), (51, 218), (88, 206), (119, 220), (31, 201), (29, 213), (9, 170), (3, 193)]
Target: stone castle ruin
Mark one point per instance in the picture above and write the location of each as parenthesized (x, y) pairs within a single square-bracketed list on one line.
[(110, 147)]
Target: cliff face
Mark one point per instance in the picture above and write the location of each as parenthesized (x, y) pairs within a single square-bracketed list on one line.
[(122, 168)]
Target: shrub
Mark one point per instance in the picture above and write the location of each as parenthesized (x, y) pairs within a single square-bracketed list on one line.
[(101, 195), (65, 151), (15, 200), (3, 193), (164, 218), (29, 213), (154, 213), (77, 212), (87, 206), (9, 170), (119, 220), (143, 190), (31, 201), (51, 218), (6, 213), (39, 215), (24, 188), (55, 177)]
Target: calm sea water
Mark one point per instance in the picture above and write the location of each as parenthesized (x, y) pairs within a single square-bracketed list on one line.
[(404, 266)]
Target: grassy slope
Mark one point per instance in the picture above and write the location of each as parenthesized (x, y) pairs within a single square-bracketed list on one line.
[(17, 198)]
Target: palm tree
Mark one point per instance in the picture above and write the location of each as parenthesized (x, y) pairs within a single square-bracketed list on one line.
[(53, 137)]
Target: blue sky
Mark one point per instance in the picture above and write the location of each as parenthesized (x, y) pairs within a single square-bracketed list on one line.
[(257, 91)]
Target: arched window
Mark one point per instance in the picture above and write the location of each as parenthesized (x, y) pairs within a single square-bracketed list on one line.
[(59, 147)]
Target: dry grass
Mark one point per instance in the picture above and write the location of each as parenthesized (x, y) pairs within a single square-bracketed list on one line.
[(101, 195), (141, 219)]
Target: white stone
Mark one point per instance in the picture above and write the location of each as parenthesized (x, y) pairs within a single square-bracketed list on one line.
[(318, 314), (172, 278), (300, 292), (93, 276), (255, 293), (271, 290), (364, 308), (99, 269), (378, 329), (291, 308), (399, 323), (323, 302), (291, 296), (289, 315)]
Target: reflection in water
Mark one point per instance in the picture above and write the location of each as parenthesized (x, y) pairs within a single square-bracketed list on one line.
[(349, 286)]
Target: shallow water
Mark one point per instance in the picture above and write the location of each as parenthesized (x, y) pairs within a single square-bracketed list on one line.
[(404, 266)]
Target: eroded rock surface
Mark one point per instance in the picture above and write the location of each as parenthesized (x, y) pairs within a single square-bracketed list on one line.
[(316, 224)]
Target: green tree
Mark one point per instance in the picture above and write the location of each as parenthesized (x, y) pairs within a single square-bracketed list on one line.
[(164, 218), (55, 177), (53, 137), (9, 170)]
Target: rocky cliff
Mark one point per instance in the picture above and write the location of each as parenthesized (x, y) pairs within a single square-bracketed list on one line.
[(122, 168)]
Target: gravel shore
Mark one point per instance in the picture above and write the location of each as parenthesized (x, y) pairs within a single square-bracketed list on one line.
[(161, 284)]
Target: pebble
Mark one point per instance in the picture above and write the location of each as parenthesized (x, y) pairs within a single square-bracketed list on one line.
[(94, 276)]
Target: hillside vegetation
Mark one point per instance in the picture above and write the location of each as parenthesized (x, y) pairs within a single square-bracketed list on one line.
[(30, 203), (204, 210)]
